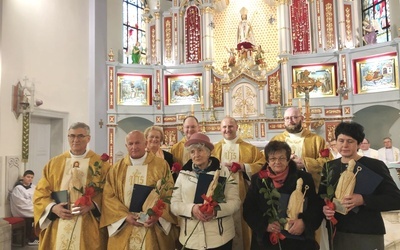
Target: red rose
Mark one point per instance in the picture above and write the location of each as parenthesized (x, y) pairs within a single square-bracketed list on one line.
[(86, 199), (263, 174), (158, 208), (104, 157), (176, 167), (208, 206), (324, 152), (235, 167)]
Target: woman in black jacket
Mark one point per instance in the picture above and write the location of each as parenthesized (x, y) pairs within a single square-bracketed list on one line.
[(375, 191), (281, 173)]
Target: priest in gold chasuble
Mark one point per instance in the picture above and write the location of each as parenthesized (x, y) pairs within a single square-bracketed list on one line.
[(233, 149), (306, 146), (58, 227), (178, 150), (125, 230)]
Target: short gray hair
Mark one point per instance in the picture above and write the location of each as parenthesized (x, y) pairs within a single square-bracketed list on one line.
[(199, 146), (77, 125)]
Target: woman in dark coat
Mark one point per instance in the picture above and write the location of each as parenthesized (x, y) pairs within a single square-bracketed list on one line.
[(281, 173), (375, 191)]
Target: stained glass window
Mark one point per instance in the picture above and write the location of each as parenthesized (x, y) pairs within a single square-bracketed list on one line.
[(376, 21), (133, 27)]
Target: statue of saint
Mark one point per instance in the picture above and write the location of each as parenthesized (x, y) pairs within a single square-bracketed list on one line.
[(347, 182), (245, 35), (296, 201), (136, 53), (369, 31)]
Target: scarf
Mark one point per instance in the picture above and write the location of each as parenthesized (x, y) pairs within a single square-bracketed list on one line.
[(277, 179), (198, 170)]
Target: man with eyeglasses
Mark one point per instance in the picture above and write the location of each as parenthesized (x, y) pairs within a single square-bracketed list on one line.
[(365, 150), (178, 150), (233, 149), (54, 221), (305, 145)]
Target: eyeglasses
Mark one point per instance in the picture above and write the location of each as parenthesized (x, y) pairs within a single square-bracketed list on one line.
[(280, 159), (288, 118), (79, 137)]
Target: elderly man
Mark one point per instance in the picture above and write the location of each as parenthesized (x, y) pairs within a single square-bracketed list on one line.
[(178, 150), (233, 149), (54, 221), (365, 150), (129, 229)]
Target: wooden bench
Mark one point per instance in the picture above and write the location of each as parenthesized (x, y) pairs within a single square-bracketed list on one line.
[(18, 227)]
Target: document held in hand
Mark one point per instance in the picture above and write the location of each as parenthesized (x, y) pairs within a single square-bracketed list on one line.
[(61, 197), (139, 195)]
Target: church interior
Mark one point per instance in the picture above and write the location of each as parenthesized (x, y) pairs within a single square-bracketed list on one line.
[(125, 65)]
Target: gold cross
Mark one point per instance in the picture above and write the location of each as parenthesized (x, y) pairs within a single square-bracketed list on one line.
[(306, 84)]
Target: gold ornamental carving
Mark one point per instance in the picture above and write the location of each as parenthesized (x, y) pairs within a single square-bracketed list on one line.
[(329, 26), (244, 101), (168, 39)]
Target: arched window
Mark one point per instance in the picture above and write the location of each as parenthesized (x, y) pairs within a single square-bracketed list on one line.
[(376, 21), (133, 27)]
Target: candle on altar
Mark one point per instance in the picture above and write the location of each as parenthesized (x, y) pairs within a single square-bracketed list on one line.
[(201, 102), (192, 109), (290, 96), (300, 107)]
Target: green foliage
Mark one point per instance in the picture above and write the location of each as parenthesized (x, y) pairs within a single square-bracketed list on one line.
[(327, 172), (272, 196)]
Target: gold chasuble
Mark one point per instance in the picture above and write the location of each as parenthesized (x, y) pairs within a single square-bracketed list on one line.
[(243, 152), (312, 144), (180, 153), (117, 198), (60, 174)]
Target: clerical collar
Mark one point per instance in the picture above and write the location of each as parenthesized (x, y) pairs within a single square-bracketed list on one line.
[(78, 156), (295, 135), (231, 141), (138, 161)]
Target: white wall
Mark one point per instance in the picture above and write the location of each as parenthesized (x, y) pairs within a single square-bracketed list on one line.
[(47, 41)]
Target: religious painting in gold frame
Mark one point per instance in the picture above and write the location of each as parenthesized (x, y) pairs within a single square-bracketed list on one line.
[(134, 89), (376, 74), (183, 89), (324, 73)]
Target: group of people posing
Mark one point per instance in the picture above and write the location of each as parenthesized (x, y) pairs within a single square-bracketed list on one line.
[(223, 196)]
